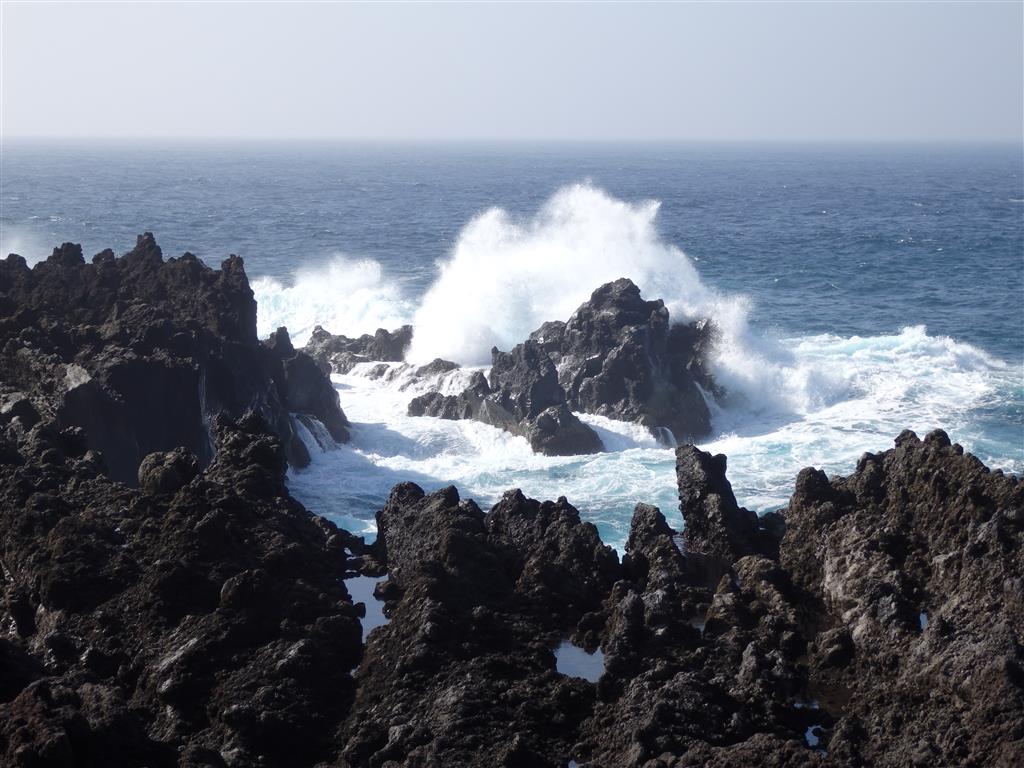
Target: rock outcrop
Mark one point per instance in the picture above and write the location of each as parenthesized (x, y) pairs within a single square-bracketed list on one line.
[(304, 388), (339, 354), (715, 524), (463, 673), (917, 564), (882, 629), (142, 353), (200, 620), (617, 356), (523, 397)]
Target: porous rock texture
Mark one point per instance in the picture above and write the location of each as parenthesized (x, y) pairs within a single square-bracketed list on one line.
[(339, 354), (141, 353), (617, 356), (802, 649), (523, 397), (200, 620)]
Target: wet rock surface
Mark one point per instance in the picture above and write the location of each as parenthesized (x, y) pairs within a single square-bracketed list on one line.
[(141, 353), (522, 396), (617, 356), (304, 388), (339, 354)]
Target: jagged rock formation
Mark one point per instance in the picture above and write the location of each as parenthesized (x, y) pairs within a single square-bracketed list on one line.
[(305, 390), (201, 620), (463, 674), (198, 621), (522, 397), (141, 353), (715, 524), (339, 354), (803, 650), (918, 564), (617, 356)]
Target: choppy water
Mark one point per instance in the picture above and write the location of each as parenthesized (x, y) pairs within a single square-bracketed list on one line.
[(861, 290)]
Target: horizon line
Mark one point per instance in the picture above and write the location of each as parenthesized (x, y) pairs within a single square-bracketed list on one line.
[(356, 140)]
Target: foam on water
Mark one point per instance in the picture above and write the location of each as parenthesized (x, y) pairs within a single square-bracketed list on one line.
[(791, 402), (882, 396)]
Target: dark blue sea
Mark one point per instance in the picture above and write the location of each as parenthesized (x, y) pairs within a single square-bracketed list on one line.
[(859, 289)]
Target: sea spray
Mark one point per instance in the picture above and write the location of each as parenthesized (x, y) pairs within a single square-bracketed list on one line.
[(24, 242), (785, 402), (350, 296), (506, 276)]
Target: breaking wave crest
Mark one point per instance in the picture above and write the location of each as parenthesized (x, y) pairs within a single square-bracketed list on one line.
[(344, 296), (506, 275)]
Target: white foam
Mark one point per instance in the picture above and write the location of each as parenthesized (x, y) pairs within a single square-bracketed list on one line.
[(818, 400), (350, 296), (506, 276), (22, 242), (890, 383)]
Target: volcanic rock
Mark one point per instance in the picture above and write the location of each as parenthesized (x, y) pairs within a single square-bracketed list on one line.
[(339, 354), (142, 353), (522, 397), (617, 356), (463, 673), (304, 387), (198, 620), (714, 523)]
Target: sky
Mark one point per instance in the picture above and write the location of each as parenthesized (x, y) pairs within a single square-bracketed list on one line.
[(499, 71)]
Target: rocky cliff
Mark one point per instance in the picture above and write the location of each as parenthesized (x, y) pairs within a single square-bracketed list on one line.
[(142, 353)]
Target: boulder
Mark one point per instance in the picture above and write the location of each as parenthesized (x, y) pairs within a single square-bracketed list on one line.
[(619, 356), (167, 472)]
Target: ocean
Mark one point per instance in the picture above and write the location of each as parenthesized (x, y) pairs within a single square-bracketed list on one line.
[(858, 290)]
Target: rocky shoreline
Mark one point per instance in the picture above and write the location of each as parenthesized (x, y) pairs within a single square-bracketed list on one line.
[(164, 601)]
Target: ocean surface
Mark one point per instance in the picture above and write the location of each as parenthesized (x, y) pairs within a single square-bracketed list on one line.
[(859, 290)]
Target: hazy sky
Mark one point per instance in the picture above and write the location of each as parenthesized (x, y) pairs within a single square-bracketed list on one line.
[(766, 71)]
